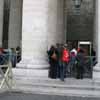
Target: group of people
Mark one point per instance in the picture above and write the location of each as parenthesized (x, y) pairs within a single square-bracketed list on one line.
[(63, 61), (13, 54)]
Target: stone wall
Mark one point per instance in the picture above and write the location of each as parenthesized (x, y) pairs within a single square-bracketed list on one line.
[(1, 20), (15, 24), (56, 22), (80, 26)]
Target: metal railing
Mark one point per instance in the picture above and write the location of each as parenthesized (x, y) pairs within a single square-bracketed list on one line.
[(6, 76), (89, 63), (6, 71)]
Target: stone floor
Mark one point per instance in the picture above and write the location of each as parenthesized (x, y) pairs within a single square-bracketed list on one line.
[(33, 81)]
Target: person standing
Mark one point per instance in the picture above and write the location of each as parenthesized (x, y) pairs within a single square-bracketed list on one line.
[(59, 60), (73, 54), (52, 53), (80, 64), (65, 60)]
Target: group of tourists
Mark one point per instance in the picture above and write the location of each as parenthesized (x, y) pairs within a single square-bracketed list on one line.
[(11, 54), (64, 61)]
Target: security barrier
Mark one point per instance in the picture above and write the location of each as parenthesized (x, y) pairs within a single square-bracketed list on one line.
[(6, 71)]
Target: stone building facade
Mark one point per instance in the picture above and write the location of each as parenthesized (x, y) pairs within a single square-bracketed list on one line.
[(37, 24)]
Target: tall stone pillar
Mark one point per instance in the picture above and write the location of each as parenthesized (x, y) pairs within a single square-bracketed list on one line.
[(55, 22), (1, 20), (96, 72), (34, 33), (40, 30)]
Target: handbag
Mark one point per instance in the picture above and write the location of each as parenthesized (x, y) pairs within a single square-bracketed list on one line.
[(54, 56)]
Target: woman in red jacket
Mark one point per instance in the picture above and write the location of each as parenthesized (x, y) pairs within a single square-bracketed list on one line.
[(65, 61)]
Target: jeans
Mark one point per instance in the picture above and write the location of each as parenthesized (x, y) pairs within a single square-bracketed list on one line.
[(58, 69), (62, 70), (72, 66)]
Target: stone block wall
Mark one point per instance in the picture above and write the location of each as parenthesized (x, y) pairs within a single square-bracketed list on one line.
[(15, 24), (56, 22), (1, 20), (80, 26)]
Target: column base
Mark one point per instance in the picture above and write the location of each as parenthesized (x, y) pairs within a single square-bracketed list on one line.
[(96, 71), (33, 64), (34, 67)]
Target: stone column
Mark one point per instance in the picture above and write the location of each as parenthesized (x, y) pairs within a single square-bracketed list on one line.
[(56, 22), (34, 33), (96, 72), (1, 20), (39, 31)]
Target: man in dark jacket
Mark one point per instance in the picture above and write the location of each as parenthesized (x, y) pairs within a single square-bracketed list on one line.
[(59, 49), (53, 62), (80, 64)]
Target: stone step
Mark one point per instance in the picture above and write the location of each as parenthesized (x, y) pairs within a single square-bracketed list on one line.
[(68, 83), (60, 86), (57, 91), (44, 85), (49, 80), (42, 75), (32, 66), (56, 81), (29, 80)]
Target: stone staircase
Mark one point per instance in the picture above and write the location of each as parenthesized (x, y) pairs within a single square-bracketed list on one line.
[(37, 81)]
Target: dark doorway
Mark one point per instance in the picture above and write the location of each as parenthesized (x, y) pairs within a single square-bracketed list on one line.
[(6, 23), (80, 22)]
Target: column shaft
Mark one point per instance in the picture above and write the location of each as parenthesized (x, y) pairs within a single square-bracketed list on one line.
[(98, 28), (96, 71), (42, 26), (1, 20)]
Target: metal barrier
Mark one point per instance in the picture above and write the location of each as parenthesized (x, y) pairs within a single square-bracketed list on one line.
[(6, 76), (89, 63), (6, 71)]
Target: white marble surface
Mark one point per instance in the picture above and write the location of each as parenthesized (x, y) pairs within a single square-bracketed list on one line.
[(28, 80), (34, 29), (96, 72), (98, 28), (42, 26)]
